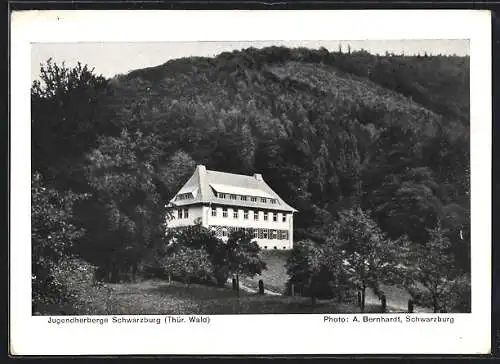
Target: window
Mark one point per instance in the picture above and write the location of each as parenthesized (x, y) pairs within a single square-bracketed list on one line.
[(273, 201), (283, 235), (235, 214), (275, 217), (253, 199), (263, 199), (224, 212), (224, 232), (184, 196), (232, 197), (256, 215), (245, 214), (179, 213), (186, 213), (273, 234), (265, 216), (214, 211), (222, 195), (243, 198), (255, 233), (284, 218), (264, 233)]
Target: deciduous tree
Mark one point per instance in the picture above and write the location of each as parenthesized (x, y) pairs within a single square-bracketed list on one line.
[(243, 257), (189, 264), (52, 237), (68, 114), (432, 276), (369, 258)]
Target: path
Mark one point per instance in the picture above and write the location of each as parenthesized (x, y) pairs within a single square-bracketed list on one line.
[(251, 290), (395, 307)]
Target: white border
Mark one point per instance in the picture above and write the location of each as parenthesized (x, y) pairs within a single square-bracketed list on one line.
[(259, 334)]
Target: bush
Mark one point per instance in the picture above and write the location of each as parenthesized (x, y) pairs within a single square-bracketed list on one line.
[(316, 271), (52, 238), (460, 295), (189, 265), (70, 289)]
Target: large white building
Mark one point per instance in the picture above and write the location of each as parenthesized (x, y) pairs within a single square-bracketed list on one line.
[(225, 202)]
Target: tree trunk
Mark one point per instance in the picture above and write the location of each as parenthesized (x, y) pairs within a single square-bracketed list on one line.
[(363, 296), (312, 292), (237, 285), (435, 304)]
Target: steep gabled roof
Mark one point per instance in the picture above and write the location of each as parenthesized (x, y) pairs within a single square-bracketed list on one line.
[(204, 185)]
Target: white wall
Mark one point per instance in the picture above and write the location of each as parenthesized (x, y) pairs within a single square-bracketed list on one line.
[(205, 214), (251, 223), (194, 212)]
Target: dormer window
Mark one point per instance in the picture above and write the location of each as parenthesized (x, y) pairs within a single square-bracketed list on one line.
[(222, 195), (184, 196), (243, 198), (232, 197), (273, 201), (263, 199), (253, 199)]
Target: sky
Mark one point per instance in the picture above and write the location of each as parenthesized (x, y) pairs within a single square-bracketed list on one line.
[(110, 59)]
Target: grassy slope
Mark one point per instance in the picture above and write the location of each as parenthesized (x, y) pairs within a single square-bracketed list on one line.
[(275, 277), (156, 297)]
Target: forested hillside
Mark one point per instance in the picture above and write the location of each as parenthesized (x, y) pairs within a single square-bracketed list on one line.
[(327, 130)]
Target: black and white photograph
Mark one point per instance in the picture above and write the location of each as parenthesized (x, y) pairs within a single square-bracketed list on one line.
[(181, 181), (330, 177)]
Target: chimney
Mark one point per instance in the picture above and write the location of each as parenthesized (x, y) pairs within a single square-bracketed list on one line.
[(202, 172), (258, 176)]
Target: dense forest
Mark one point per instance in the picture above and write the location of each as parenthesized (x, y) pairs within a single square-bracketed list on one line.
[(329, 131)]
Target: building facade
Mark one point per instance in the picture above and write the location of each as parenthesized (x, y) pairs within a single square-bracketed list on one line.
[(225, 202)]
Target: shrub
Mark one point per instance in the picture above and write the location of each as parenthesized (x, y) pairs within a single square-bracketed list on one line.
[(71, 289), (432, 276), (189, 264), (52, 237)]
